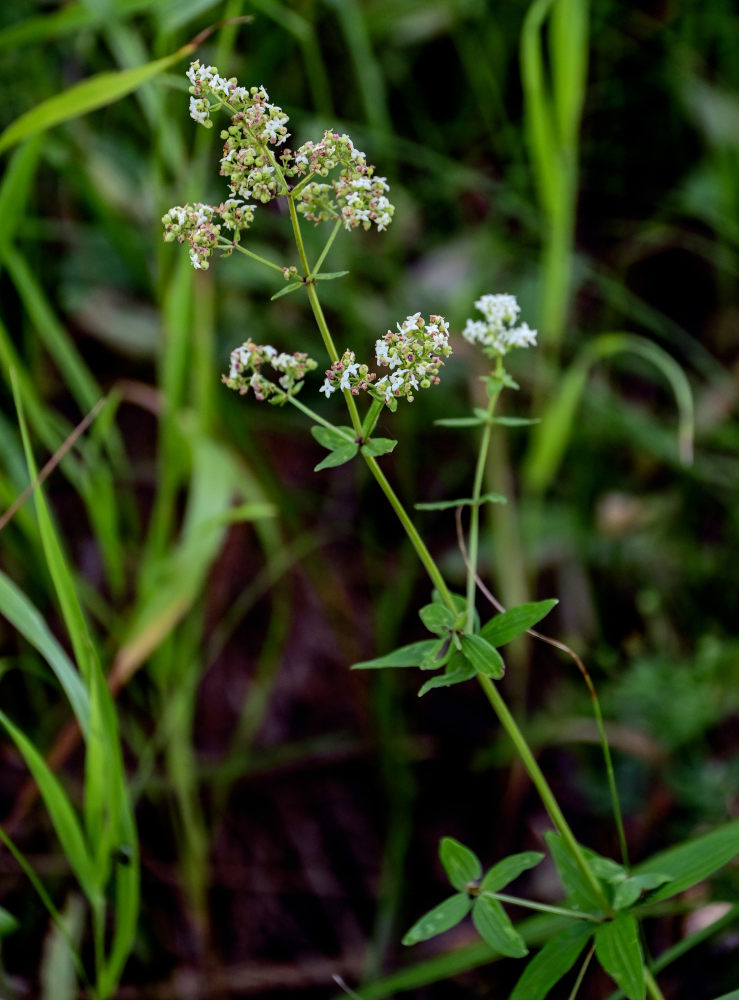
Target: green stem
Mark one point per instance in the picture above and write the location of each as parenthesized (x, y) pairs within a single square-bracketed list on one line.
[(302, 183), (613, 790), (250, 253), (652, 988), (544, 907), (545, 793), (329, 243), (581, 974), (474, 535), (318, 312), (410, 529)]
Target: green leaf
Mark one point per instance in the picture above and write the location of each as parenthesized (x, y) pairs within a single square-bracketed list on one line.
[(691, 862), (439, 655), (443, 917), (405, 656), (286, 290), (437, 617), (468, 502), (458, 670), (329, 275), (26, 619), (496, 929), (482, 656), (61, 813), (506, 626), (618, 950), (378, 446), (554, 960), (332, 437), (460, 864), (509, 869), (628, 891), (460, 422), (515, 421), (580, 893), (90, 94), (345, 453)]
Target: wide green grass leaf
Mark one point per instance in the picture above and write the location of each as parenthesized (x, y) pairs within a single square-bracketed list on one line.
[(80, 99), (61, 813), (693, 861), (26, 619)]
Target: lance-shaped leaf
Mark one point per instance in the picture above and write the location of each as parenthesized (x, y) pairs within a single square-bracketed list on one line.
[(339, 456), (618, 949), (458, 670), (437, 617), (443, 917), (406, 656), (628, 891), (691, 862), (286, 290), (554, 960), (580, 893), (506, 626), (496, 929), (378, 446), (328, 275), (460, 863), (332, 437), (509, 869), (467, 502), (482, 656), (460, 422)]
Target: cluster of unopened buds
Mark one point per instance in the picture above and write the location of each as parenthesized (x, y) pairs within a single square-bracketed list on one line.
[(245, 372), (196, 225), (414, 354), (257, 173), (497, 333)]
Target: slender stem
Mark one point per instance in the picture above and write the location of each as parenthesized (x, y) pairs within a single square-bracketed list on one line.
[(615, 802), (371, 417), (544, 907), (410, 529), (318, 419), (250, 253), (475, 508), (545, 793), (318, 312), (652, 988), (302, 183), (329, 243), (581, 974)]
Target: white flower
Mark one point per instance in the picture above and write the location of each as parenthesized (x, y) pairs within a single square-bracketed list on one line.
[(348, 372), (327, 388)]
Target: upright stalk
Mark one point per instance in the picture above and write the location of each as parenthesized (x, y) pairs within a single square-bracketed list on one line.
[(474, 537)]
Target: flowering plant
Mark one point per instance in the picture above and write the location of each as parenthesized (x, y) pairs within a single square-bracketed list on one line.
[(604, 900)]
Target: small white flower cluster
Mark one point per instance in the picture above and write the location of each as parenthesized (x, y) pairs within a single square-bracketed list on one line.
[(245, 371), (347, 373), (498, 333), (413, 355), (196, 225), (256, 172), (356, 196), (250, 107)]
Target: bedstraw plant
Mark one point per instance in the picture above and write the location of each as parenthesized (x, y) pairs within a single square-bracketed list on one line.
[(329, 181)]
